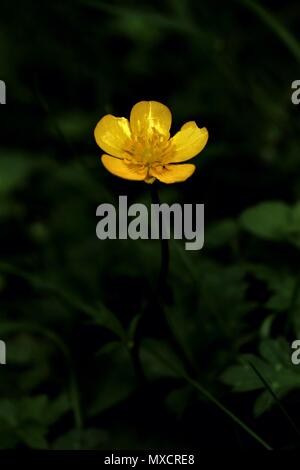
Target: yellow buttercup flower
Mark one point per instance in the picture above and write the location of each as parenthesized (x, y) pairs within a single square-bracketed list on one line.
[(141, 149)]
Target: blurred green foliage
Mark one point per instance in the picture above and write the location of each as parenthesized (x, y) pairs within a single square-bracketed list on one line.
[(94, 359)]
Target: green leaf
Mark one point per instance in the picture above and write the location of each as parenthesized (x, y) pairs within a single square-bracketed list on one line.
[(100, 315), (85, 439), (14, 170), (27, 420), (33, 408), (133, 328), (294, 232), (223, 294), (265, 401), (159, 360), (284, 292), (275, 367), (274, 221), (33, 436), (221, 233), (8, 412), (106, 318), (178, 400), (241, 377), (56, 408), (268, 220), (115, 378)]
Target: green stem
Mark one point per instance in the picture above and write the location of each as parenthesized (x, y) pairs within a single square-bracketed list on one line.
[(275, 25), (181, 373), (161, 292), (274, 396), (229, 413), (164, 243)]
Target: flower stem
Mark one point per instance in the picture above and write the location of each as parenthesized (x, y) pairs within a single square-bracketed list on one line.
[(165, 254)]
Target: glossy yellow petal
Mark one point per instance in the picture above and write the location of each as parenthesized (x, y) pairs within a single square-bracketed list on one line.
[(113, 135), (188, 142), (124, 168), (172, 173), (147, 116)]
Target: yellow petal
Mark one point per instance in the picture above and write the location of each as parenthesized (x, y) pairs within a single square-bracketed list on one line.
[(113, 134), (124, 168), (188, 142), (172, 173), (148, 115)]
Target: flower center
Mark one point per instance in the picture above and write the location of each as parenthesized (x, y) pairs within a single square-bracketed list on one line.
[(149, 148)]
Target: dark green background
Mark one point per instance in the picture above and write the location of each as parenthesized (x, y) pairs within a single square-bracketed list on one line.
[(95, 358)]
